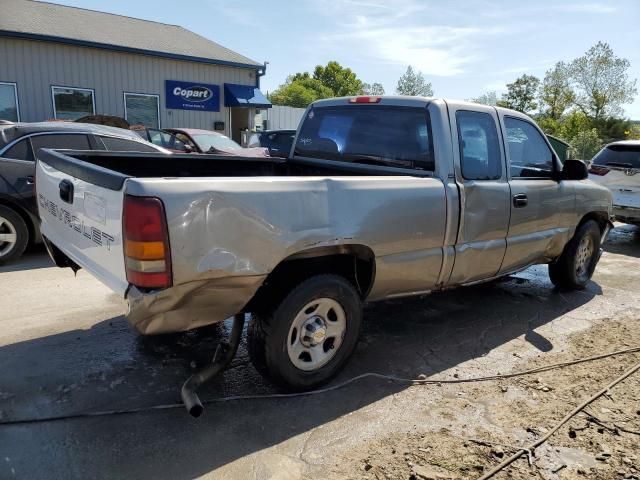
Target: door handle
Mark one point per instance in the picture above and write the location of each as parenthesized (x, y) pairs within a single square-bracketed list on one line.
[(520, 200), (66, 191), (29, 179)]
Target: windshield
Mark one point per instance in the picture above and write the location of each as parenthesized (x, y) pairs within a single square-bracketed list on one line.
[(371, 134), (619, 156), (217, 142)]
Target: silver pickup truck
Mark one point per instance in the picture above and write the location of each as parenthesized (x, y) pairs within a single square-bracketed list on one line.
[(381, 197)]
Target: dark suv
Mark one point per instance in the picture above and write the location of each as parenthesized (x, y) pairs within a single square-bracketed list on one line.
[(19, 145), (277, 141)]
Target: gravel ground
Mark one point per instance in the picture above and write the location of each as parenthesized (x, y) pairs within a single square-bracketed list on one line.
[(66, 348)]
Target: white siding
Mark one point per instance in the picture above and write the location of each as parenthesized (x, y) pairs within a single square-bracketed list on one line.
[(283, 118), (35, 66)]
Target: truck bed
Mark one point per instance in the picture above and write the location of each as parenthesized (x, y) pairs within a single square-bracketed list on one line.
[(110, 169)]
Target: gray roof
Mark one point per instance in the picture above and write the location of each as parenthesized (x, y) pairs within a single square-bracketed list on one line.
[(48, 21), (9, 133)]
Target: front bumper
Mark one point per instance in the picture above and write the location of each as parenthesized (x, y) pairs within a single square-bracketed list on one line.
[(189, 305), (626, 214)]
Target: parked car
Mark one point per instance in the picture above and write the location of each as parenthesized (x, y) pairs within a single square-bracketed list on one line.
[(384, 197), (278, 142), (162, 139), (617, 167), (19, 145), (207, 141)]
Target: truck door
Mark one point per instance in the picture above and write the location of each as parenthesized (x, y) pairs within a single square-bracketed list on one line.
[(542, 207), (484, 192)]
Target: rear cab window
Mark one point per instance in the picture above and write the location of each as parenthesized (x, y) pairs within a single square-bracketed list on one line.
[(373, 135), (480, 157)]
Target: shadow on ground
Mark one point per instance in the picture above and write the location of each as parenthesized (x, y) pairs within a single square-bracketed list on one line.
[(110, 367), (35, 257), (624, 240)]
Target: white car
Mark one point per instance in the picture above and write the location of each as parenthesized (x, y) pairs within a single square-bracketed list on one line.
[(617, 167)]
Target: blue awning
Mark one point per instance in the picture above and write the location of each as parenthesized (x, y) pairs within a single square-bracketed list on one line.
[(244, 96)]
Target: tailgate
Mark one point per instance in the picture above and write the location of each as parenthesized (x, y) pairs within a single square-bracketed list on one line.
[(624, 184), (80, 207)]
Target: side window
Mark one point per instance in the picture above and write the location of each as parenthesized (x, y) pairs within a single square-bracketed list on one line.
[(20, 151), (529, 154), (124, 145), (63, 141), (479, 146)]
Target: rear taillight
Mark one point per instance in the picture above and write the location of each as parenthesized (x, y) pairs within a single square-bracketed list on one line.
[(598, 170), (367, 99), (146, 242)]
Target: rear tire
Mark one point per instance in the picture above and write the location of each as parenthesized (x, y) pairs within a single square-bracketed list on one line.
[(574, 268), (14, 235), (305, 340)]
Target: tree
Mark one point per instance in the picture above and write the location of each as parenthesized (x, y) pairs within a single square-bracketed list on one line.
[(556, 94), (602, 82), (489, 98), (299, 91), (372, 89), (302, 88), (342, 81), (412, 83), (521, 94), (585, 144)]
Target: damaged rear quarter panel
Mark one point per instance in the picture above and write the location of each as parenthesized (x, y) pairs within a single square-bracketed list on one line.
[(244, 227)]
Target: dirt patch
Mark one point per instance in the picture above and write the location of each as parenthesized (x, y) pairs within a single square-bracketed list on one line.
[(487, 422)]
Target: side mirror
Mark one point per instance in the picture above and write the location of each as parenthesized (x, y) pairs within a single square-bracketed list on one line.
[(188, 148), (574, 170)]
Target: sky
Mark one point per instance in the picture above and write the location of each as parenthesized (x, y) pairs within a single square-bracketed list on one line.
[(464, 48)]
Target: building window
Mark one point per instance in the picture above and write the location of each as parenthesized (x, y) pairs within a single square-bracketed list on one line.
[(142, 109), (72, 103), (9, 102)]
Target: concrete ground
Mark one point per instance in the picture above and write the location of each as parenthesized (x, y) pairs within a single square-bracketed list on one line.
[(65, 348)]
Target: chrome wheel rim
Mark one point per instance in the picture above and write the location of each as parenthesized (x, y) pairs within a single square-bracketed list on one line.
[(316, 333), (8, 236), (583, 256)]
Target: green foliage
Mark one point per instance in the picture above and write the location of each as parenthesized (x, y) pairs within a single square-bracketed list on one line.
[(299, 91), (556, 93), (585, 144), (521, 94), (342, 81), (611, 128), (602, 82), (489, 98), (332, 80), (412, 83), (581, 101), (372, 89)]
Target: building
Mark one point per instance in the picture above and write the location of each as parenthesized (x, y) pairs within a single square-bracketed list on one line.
[(59, 62)]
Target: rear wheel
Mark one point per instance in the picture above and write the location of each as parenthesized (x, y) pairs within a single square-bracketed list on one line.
[(14, 235), (307, 339), (574, 268)]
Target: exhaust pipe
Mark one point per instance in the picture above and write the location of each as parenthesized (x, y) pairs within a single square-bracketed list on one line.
[(223, 356)]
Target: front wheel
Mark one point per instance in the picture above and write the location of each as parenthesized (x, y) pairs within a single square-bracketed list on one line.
[(308, 338), (574, 268)]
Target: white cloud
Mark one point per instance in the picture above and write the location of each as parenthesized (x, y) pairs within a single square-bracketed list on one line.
[(585, 8), (404, 34)]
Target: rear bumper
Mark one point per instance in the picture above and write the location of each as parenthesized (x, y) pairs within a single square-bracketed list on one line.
[(626, 214), (190, 305)]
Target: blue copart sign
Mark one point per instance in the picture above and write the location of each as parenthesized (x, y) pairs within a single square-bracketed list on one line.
[(192, 96)]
